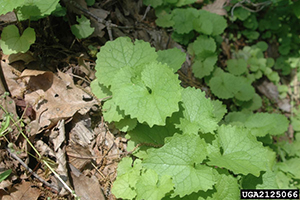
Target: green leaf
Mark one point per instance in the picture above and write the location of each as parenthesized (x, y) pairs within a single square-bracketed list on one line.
[(225, 85), (209, 23), (260, 124), (246, 92), (204, 67), (112, 112), (291, 166), (124, 185), (180, 158), (149, 96), (83, 29), (251, 22), (237, 66), (152, 187), (8, 6), (227, 188), (126, 124), (90, 2), (153, 3), (265, 181), (254, 104), (174, 58), (183, 38), (99, 90), (219, 109), (198, 112), (36, 9), (296, 9), (242, 153), (251, 35), (241, 13), (155, 135), (183, 19), (11, 41), (5, 174), (204, 46), (164, 17), (119, 53)]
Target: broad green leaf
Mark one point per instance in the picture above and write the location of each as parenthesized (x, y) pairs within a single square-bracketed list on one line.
[(251, 22), (119, 53), (227, 188), (164, 17), (126, 124), (292, 149), (254, 104), (283, 180), (198, 112), (83, 29), (242, 153), (241, 13), (174, 58), (152, 187), (180, 158), (291, 166), (150, 96), (8, 6), (204, 46), (225, 85), (209, 23), (219, 109), (260, 124), (36, 9), (183, 19), (267, 180), (204, 67), (124, 185), (112, 112), (251, 35), (99, 90), (154, 135), (11, 42), (237, 66), (246, 92), (183, 38)]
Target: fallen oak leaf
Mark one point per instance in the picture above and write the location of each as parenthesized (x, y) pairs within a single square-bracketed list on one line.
[(53, 97), (216, 7)]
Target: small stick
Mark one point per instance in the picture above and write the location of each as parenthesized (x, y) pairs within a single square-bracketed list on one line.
[(30, 170)]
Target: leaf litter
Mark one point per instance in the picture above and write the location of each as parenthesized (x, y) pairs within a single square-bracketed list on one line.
[(58, 115)]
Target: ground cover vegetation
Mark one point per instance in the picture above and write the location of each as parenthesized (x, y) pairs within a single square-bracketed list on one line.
[(209, 108)]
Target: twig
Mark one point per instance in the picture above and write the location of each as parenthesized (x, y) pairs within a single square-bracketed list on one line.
[(258, 6), (30, 171)]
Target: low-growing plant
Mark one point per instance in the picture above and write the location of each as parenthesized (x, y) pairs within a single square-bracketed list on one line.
[(14, 39), (188, 151)]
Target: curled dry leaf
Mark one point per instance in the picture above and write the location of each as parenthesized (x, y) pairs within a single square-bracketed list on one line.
[(216, 7)]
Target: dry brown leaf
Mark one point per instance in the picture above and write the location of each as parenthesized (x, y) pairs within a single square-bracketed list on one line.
[(54, 97), (87, 188), (23, 191), (11, 72), (216, 7), (270, 90), (26, 57), (8, 17)]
